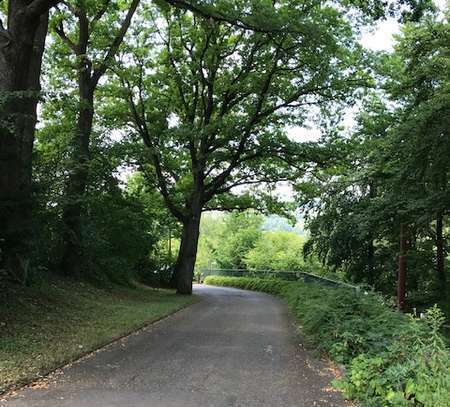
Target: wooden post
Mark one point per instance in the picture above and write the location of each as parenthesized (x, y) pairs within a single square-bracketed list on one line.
[(401, 278)]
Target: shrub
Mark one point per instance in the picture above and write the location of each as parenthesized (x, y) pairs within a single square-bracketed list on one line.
[(276, 250), (392, 359)]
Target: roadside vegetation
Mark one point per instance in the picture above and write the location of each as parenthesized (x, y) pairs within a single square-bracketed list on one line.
[(47, 326), (390, 359)]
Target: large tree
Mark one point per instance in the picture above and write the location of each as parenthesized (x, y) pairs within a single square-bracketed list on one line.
[(92, 32), (22, 40), (211, 105), (419, 82)]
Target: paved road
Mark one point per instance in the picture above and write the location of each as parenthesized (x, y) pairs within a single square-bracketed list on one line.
[(233, 348)]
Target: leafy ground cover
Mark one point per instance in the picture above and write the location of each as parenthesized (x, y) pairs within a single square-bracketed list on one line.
[(390, 359), (42, 328)]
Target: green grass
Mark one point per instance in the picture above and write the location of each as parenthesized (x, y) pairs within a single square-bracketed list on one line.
[(42, 328)]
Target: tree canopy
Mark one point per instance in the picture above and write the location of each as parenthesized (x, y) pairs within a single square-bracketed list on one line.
[(394, 171), (164, 110)]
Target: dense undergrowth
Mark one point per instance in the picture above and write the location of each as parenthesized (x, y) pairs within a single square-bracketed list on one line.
[(391, 359), (46, 326)]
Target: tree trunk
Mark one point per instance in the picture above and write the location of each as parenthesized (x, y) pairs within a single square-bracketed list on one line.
[(371, 262), (72, 263), (440, 255), (21, 50), (370, 244), (187, 255), (401, 278)]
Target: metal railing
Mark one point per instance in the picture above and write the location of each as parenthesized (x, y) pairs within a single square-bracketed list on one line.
[(284, 275)]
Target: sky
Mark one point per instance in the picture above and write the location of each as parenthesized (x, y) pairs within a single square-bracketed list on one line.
[(379, 38)]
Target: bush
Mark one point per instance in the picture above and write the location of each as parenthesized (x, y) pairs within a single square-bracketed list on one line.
[(271, 286), (276, 250), (392, 359)]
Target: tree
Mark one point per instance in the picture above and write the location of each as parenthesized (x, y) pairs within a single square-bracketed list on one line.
[(394, 174), (22, 42), (122, 225), (211, 106), (419, 82), (240, 233), (277, 251), (96, 33), (350, 209)]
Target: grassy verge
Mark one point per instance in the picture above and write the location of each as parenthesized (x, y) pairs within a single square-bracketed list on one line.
[(46, 327), (391, 359)]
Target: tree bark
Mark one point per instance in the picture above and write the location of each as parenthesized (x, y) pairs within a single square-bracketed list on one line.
[(401, 277), (371, 262), (21, 49), (440, 255), (187, 255), (370, 244), (72, 263)]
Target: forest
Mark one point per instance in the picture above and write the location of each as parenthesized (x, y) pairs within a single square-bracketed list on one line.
[(142, 142)]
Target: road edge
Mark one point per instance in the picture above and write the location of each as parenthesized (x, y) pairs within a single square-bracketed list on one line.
[(45, 376)]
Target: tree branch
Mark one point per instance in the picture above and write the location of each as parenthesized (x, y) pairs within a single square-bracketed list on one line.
[(101, 11), (62, 34), (220, 17), (101, 69), (219, 180), (74, 10), (38, 7), (143, 131), (178, 78)]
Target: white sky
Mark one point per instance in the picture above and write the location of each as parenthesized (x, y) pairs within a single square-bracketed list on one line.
[(379, 38)]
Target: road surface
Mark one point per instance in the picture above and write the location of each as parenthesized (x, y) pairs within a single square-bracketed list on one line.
[(232, 348)]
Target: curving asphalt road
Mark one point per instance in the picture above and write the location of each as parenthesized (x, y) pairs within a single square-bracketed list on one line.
[(232, 348)]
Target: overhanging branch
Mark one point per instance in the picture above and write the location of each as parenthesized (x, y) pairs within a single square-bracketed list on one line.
[(239, 22)]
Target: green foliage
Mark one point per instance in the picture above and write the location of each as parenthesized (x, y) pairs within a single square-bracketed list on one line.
[(392, 168), (211, 227), (391, 359), (211, 105), (412, 371), (237, 241), (116, 237), (271, 286), (122, 227), (277, 251), (240, 234)]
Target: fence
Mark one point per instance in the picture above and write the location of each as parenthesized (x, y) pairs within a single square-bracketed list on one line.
[(285, 275)]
